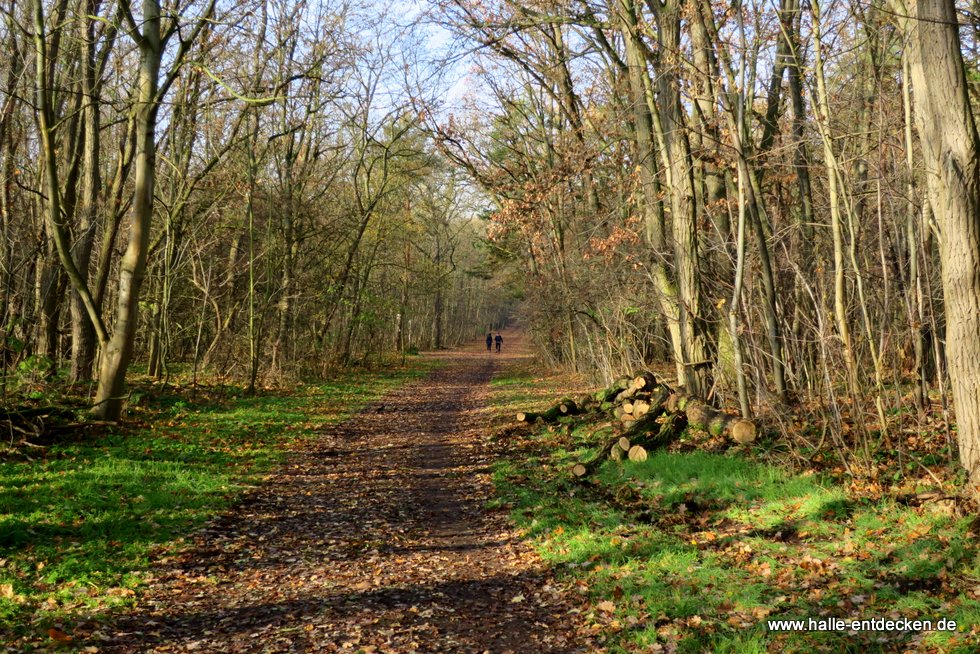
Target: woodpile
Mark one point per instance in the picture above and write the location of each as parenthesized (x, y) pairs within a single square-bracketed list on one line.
[(639, 414)]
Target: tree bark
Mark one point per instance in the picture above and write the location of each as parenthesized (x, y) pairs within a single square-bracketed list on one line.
[(646, 164), (696, 358), (951, 154), (119, 350), (83, 339)]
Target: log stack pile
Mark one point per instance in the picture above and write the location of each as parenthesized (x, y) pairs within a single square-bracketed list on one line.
[(637, 414)]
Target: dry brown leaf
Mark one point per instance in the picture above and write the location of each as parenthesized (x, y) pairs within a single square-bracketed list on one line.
[(59, 635)]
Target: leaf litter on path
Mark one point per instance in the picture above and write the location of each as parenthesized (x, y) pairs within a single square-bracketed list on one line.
[(374, 537)]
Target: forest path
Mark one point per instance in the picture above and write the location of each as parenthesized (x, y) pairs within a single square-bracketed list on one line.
[(374, 537)]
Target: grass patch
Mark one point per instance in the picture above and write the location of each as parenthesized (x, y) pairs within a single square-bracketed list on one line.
[(695, 551), (80, 527)]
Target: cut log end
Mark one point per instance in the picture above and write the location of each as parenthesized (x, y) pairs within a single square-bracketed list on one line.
[(650, 420), (551, 415), (644, 381), (743, 432)]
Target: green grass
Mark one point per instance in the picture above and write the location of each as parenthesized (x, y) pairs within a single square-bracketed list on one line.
[(697, 550), (80, 527)]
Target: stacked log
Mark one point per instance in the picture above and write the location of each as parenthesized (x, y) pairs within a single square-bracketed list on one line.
[(706, 418), (589, 466), (564, 407), (609, 393), (569, 407), (643, 414)]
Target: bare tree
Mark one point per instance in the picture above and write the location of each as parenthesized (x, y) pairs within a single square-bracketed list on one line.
[(150, 37)]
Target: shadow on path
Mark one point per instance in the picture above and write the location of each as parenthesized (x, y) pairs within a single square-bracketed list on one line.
[(375, 537)]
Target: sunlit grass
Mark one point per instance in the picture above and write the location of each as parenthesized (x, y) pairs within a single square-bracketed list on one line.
[(697, 550), (80, 527)]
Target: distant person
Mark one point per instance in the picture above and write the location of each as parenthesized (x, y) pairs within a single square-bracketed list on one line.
[(490, 342), (498, 340)]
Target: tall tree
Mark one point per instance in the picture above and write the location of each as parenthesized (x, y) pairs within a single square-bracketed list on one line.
[(150, 39), (951, 153)]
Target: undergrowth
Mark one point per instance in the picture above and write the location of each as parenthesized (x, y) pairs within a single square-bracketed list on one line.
[(80, 526), (694, 551)]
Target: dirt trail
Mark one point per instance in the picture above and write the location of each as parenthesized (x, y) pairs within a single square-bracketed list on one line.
[(373, 538)]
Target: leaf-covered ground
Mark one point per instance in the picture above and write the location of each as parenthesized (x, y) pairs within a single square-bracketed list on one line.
[(391, 532), (374, 537), (695, 551), (83, 520)]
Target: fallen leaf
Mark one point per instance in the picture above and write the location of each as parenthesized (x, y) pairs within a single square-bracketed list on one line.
[(606, 606), (59, 635)]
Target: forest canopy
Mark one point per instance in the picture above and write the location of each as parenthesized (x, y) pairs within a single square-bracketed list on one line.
[(242, 189)]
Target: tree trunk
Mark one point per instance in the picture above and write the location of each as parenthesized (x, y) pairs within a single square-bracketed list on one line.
[(154, 365), (951, 154), (438, 308), (82, 330), (652, 207), (801, 167), (49, 305), (696, 360), (822, 104), (118, 351), (913, 284), (59, 203)]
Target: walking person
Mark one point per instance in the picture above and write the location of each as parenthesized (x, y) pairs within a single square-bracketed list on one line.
[(490, 341), (498, 340)]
